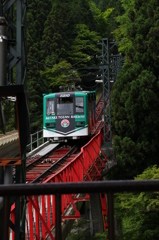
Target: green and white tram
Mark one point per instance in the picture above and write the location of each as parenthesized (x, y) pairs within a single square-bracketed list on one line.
[(68, 115)]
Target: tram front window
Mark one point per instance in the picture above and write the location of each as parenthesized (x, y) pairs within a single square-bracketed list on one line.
[(65, 106)]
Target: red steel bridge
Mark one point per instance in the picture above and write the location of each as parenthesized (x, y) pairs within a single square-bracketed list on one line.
[(61, 163)]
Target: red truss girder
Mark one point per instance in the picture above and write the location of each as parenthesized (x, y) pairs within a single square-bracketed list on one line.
[(40, 211)]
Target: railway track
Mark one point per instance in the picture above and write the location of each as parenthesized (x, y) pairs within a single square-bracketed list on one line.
[(45, 163)]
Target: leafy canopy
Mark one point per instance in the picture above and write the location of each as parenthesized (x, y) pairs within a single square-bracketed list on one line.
[(135, 101), (139, 213), (62, 74)]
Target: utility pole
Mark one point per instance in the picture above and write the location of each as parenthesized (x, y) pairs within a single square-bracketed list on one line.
[(111, 65), (106, 93)]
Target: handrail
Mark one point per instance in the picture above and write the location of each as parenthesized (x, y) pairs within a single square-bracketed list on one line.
[(36, 139), (58, 189), (112, 186)]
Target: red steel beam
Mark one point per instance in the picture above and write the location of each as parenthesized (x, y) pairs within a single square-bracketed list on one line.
[(77, 169)]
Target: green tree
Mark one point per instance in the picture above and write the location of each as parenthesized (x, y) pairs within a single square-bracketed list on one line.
[(84, 47), (135, 101), (139, 213), (83, 52), (61, 74), (102, 19), (114, 9), (59, 35), (36, 16)]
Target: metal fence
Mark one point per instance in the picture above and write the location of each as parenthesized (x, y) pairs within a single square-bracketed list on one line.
[(36, 139), (57, 189)]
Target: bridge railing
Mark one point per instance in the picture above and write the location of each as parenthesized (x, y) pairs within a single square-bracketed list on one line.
[(58, 189), (36, 139)]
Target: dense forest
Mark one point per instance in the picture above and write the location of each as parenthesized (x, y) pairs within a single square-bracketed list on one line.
[(62, 39)]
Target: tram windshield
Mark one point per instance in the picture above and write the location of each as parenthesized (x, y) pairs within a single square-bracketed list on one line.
[(50, 107), (64, 105)]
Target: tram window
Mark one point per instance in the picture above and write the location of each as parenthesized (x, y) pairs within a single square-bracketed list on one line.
[(65, 106), (50, 107), (79, 105)]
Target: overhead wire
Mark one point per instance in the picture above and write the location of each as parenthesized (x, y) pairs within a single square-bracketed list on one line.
[(85, 59), (91, 87), (72, 65), (40, 63), (66, 69)]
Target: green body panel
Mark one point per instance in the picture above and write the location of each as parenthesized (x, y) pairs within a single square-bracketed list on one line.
[(47, 119)]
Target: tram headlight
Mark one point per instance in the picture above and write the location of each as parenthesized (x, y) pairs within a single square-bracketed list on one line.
[(50, 125), (79, 124)]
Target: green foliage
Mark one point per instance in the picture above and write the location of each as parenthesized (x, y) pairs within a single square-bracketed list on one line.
[(59, 35), (81, 231), (60, 75), (112, 9), (135, 102), (137, 30), (101, 18), (9, 114), (100, 236), (125, 24), (35, 85), (139, 213), (84, 47), (134, 109)]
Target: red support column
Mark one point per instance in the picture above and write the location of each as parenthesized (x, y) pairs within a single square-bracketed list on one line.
[(43, 215), (30, 221), (53, 210), (49, 211), (37, 219)]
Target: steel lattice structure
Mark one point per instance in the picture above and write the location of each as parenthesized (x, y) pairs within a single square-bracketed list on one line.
[(16, 39), (110, 66), (14, 12)]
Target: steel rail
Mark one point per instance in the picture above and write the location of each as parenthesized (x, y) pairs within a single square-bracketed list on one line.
[(55, 166), (40, 158)]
